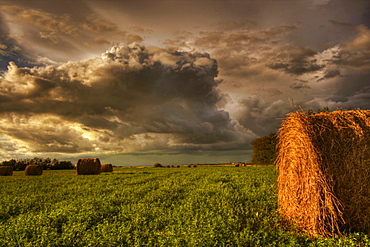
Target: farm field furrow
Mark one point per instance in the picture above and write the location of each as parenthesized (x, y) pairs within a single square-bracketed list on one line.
[(203, 206)]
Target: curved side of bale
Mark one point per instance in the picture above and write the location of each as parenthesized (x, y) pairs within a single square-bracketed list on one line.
[(33, 170), (6, 171), (346, 159), (324, 171), (106, 168), (89, 166), (304, 197)]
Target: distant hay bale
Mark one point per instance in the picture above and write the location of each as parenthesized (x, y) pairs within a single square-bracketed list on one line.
[(157, 165), (324, 171), (90, 166), (33, 170), (178, 166), (236, 165), (106, 168), (6, 171)]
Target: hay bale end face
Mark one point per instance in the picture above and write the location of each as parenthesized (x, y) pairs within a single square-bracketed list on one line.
[(106, 168), (6, 171), (33, 170), (324, 171), (89, 166)]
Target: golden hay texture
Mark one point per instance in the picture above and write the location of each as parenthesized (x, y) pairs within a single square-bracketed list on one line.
[(106, 168), (90, 166), (6, 171), (33, 170), (324, 171)]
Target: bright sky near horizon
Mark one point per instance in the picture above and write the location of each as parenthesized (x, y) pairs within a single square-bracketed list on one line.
[(137, 82)]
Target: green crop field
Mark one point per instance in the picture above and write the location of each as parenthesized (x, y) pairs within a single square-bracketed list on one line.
[(203, 206)]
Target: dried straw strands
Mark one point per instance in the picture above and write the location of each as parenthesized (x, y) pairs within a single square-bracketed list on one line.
[(88, 166), (33, 170), (106, 168), (324, 171), (6, 171)]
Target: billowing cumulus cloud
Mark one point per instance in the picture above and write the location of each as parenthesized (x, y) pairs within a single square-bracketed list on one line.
[(131, 99)]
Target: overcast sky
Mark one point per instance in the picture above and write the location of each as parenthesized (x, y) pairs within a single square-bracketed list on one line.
[(136, 82)]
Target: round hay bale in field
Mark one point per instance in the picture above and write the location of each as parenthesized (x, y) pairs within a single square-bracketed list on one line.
[(106, 168), (89, 166), (33, 170), (6, 171), (324, 171)]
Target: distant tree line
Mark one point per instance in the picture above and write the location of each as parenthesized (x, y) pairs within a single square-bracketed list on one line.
[(45, 163), (265, 150)]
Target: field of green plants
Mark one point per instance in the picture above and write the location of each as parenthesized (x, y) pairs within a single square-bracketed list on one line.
[(203, 206)]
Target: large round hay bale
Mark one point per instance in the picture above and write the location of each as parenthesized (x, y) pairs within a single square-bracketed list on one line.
[(89, 166), (6, 171), (33, 170), (324, 171), (106, 168)]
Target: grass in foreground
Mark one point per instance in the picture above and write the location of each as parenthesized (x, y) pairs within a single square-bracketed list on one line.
[(204, 206)]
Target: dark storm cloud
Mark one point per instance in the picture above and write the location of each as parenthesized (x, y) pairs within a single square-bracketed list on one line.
[(295, 60), (259, 116), (298, 85), (351, 86), (131, 93), (330, 74), (341, 24), (356, 52)]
